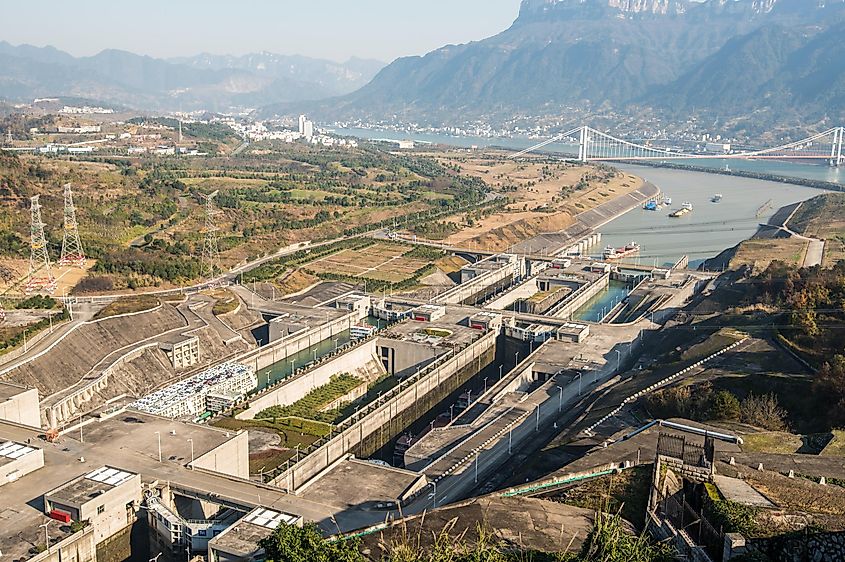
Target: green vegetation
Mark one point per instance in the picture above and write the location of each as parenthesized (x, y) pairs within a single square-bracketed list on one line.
[(126, 305), (38, 302), (609, 541), (730, 516), (275, 268), (625, 493), (703, 403), (809, 306), (424, 253), (11, 338), (308, 407)]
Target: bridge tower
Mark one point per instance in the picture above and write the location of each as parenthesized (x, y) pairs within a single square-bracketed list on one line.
[(41, 277), (838, 140), (210, 253), (582, 150), (72, 253)]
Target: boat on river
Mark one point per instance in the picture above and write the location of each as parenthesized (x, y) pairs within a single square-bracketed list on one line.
[(685, 209), (610, 253)]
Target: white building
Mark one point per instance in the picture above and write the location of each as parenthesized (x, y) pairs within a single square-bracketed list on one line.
[(308, 130), (302, 121)]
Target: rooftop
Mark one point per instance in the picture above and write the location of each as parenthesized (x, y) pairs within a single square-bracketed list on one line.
[(355, 482), (11, 451), (10, 390), (85, 488), (242, 537)]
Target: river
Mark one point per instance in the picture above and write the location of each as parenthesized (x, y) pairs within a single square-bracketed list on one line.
[(704, 233)]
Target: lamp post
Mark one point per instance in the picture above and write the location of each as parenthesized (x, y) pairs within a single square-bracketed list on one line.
[(559, 399), (500, 372), (537, 423), (451, 413), (434, 496), (510, 439), (46, 536), (618, 360), (579, 384), (158, 435), (485, 385), (191, 441)]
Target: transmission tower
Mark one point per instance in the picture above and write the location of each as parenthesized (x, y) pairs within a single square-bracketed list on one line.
[(210, 253), (72, 253), (40, 273)]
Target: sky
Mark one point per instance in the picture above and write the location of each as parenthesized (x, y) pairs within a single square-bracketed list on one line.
[(331, 29)]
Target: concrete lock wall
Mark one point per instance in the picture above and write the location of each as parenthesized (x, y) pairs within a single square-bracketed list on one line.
[(22, 408), (394, 414), (230, 458), (402, 358), (280, 350), (79, 547), (294, 388), (477, 285), (579, 298)]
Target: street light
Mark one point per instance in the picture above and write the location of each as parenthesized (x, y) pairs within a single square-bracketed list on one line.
[(537, 425), (618, 361), (158, 434), (500, 372), (434, 495), (155, 558), (191, 441), (560, 399), (451, 413), (579, 384), (46, 536), (485, 385), (516, 361)]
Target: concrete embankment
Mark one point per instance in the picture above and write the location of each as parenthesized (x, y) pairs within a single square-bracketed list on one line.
[(589, 221)]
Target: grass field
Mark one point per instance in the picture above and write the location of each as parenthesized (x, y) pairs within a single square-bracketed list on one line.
[(824, 217), (759, 253), (383, 261)]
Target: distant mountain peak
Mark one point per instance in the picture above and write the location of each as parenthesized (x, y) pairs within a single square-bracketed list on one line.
[(545, 9)]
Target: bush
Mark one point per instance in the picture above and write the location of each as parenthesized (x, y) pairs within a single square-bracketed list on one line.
[(295, 544), (309, 406), (38, 301), (763, 411), (725, 406), (732, 517)]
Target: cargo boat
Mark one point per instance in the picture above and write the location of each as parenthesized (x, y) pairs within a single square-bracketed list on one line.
[(611, 253), (716, 198), (685, 209)]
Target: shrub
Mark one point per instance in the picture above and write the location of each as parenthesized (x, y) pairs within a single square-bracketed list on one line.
[(763, 411), (725, 406)]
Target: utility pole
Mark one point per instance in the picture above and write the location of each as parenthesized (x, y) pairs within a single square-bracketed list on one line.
[(40, 273), (72, 253)]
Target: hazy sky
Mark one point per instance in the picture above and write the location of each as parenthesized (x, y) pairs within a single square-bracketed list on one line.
[(334, 29)]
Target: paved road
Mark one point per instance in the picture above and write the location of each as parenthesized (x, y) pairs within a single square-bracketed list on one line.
[(815, 247)]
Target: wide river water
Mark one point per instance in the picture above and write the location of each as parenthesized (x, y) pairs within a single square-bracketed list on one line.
[(704, 233)]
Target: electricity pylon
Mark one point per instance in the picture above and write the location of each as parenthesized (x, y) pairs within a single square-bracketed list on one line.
[(72, 253), (40, 273), (210, 253)]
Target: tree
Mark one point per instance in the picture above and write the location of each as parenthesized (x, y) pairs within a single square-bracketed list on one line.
[(289, 543), (725, 406)]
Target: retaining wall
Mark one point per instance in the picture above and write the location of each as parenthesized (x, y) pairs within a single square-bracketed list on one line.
[(368, 434)]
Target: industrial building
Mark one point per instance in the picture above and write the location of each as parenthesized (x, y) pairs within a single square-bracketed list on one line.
[(107, 498), (19, 404), (17, 460), (183, 351), (239, 543)]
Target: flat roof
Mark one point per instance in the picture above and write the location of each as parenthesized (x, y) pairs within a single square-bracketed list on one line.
[(89, 486), (355, 482), (10, 390), (243, 536), (11, 451)]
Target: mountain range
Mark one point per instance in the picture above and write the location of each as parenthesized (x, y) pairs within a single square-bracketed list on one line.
[(742, 62), (204, 81)]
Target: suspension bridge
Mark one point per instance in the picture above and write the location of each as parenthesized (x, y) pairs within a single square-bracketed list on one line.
[(597, 146)]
